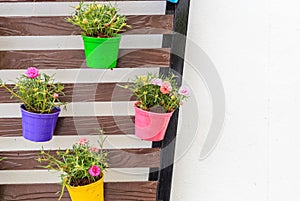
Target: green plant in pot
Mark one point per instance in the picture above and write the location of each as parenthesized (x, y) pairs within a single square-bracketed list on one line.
[(82, 169), (157, 98), (100, 25), (40, 97)]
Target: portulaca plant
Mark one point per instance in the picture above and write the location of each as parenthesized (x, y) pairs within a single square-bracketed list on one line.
[(158, 93), (80, 166), (98, 20), (37, 91)]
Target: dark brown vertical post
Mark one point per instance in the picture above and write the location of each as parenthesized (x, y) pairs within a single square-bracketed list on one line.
[(165, 173)]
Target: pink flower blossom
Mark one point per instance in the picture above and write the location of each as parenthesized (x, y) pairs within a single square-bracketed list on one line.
[(32, 72), (55, 95), (184, 91), (94, 171), (165, 87), (156, 81), (82, 141), (94, 149)]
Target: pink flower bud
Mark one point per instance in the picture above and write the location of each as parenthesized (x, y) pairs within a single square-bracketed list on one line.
[(94, 171), (185, 91), (55, 95), (82, 141), (94, 149), (166, 87), (156, 81), (32, 72)]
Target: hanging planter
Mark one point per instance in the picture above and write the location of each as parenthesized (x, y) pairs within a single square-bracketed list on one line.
[(38, 127), (40, 109), (100, 25), (101, 52), (90, 192), (82, 169), (151, 126), (157, 98)]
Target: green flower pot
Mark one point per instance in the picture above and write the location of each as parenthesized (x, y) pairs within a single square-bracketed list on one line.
[(101, 52)]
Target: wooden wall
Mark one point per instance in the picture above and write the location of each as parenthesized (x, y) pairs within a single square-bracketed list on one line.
[(34, 33)]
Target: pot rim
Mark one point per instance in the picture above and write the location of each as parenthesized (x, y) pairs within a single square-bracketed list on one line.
[(88, 185), (89, 37), (46, 114), (156, 113)]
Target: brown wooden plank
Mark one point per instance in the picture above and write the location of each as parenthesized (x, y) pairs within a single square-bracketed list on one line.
[(114, 191), (118, 158), (57, 25), (91, 92), (12, 127), (62, 59)]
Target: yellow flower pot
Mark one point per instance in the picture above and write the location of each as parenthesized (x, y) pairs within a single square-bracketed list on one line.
[(90, 192)]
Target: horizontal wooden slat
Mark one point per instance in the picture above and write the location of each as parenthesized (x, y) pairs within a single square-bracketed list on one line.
[(53, 177), (62, 59), (12, 127), (93, 92), (66, 142), (125, 158), (42, 26), (66, 8), (82, 75), (74, 42), (121, 191), (78, 109)]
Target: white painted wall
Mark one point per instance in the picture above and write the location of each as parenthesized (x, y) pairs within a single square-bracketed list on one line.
[(255, 46)]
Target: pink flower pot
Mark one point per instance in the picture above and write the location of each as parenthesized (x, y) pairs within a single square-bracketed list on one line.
[(151, 126)]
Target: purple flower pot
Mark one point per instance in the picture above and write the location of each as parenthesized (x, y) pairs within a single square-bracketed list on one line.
[(38, 127)]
